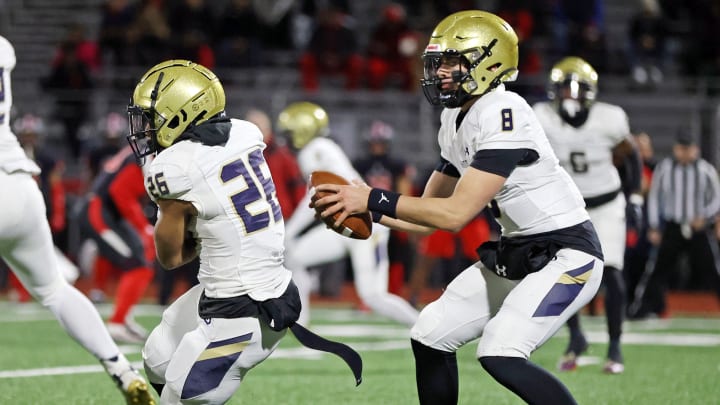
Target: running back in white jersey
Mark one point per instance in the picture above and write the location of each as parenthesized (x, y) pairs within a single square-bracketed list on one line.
[(539, 197), (586, 152), (324, 154), (12, 157), (239, 223), (320, 153)]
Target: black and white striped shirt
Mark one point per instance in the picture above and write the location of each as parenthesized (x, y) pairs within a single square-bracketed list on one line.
[(682, 193)]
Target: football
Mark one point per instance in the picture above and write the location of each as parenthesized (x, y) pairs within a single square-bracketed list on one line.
[(356, 226)]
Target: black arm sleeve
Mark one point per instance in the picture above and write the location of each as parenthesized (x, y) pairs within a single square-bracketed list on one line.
[(632, 173), (503, 161), (447, 168)]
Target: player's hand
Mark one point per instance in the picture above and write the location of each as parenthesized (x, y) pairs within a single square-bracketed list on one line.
[(343, 199), (634, 214), (698, 224), (654, 236)]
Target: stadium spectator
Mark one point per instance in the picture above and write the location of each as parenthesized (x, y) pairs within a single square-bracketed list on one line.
[(307, 126), (150, 35), (380, 169), (26, 245), (592, 140), (333, 50), (518, 14), (85, 50), (648, 31), (492, 150), (193, 25), (683, 206), (70, 82), (113, 215), (237, 42), (579, 27), (393, 51), (116, 17), (276, 23)]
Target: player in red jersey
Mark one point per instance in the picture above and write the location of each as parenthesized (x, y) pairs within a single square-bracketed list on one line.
[(113, 216)]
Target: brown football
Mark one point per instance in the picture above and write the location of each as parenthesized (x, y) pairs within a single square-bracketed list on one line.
[(356, 226)]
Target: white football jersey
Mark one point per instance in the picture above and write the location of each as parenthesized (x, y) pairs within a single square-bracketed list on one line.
[(539, 197), (586, 152), (239, 224), (324, 154), (12, 157), (320, 153)]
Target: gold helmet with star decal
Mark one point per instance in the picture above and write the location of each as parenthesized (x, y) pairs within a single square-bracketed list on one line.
[(486, 46)]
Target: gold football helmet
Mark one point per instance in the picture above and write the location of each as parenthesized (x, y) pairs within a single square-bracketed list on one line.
[(485, 45), (303, 121), (170, 98), (572, 87)]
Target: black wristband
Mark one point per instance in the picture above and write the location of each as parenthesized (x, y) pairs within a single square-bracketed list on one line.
[(383, 202), (376, 216)]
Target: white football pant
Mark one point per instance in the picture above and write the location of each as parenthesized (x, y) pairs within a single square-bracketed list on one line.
[(611, 227), (513, 317), (204, 362), (27, 247), (370, 265)]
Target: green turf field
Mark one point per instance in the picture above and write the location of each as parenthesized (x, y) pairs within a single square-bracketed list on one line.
[(674, 361)]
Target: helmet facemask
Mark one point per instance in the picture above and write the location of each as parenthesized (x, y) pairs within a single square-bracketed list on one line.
[(144, 125), (573, 100), (486, 48), (572, 88), (450, 95)]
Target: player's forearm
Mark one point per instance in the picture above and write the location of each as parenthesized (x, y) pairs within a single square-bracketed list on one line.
[(404, 226), (169, 242), (436, 213)]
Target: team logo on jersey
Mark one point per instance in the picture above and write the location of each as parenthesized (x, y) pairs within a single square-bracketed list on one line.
[(465, 161)]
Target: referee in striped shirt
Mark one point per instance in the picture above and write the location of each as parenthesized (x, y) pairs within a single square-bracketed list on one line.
[(683, 204)]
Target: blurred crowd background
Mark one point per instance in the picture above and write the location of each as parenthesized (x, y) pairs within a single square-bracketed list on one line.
[(78, 61)]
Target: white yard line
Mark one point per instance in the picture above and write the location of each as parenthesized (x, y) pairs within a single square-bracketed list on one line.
[(397, 337), (294, 353)]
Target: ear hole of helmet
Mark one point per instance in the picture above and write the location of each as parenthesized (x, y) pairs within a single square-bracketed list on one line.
[(174, 122), (494, 67)]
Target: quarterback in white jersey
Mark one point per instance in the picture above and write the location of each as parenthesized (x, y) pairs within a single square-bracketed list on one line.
[(548, 262), (27, 247), (590, 138), (216, 199), (306, 125)]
